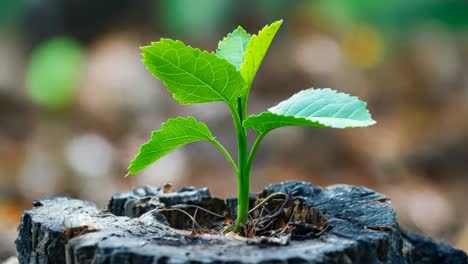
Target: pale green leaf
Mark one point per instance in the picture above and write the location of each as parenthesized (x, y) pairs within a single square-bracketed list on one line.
[(192, 75), (313, 107), (256, 50), (233, 46), (176, 132)]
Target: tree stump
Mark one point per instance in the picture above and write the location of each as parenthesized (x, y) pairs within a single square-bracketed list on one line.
[(362, 229)]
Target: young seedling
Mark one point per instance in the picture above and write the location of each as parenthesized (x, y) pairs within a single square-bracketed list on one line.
[(196, 76)]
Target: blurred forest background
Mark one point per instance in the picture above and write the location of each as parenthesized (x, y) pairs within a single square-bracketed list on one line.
[(76, 103)]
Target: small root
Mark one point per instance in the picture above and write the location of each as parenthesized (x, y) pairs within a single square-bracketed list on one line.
[(199, 208), (181, 211), (277, 216), (269, 197)]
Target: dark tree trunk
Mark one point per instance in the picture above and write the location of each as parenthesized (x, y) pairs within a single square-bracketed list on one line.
[(362, 228)]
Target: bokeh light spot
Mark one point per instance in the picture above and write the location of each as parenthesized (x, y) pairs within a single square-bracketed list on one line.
[(363, 46), (53, 73)]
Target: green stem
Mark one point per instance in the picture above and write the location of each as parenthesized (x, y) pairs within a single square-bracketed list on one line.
[(254, 149), (244, 100), (226, 155), (242, 172)]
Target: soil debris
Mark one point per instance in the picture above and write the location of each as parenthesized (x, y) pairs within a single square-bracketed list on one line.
[(275, 219)]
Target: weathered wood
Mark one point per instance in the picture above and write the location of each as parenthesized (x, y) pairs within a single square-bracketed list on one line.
[(364, 230)]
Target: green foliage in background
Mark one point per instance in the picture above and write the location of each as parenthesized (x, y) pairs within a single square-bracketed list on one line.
[(53, 73), (10, 12), (195, 76), (196, 19), (396, 16)]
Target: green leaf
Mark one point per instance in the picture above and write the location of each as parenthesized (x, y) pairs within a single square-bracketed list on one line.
[(176, 132), (192, 75), (233, 46), (256, 50), (313, 107)]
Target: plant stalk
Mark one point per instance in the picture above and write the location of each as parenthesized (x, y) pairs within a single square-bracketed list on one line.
[(254, 148), (226, 155), (243, 184)]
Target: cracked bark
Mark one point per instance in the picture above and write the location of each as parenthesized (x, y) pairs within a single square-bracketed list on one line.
[(364, 230)]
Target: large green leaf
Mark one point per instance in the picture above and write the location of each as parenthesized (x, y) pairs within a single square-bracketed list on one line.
[(176, 132), (192, 75), (233, 46), (313, 107), (256, 50)]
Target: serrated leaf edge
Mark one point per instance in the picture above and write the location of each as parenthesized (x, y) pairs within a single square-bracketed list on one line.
[(229, 35), (330, 90), (163, 126), (280, 22), (365, 123), (230, 100)]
